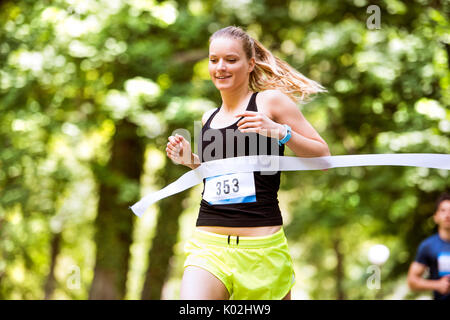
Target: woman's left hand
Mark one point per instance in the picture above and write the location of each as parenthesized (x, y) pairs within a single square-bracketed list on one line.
[(260, 123)]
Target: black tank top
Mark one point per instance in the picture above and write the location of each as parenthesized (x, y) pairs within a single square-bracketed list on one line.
[(249, 200)]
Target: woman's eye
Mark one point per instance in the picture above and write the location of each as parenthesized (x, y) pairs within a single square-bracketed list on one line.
[(231, 60)]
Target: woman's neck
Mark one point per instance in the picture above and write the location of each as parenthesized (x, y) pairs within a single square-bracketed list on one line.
[(232, 100)]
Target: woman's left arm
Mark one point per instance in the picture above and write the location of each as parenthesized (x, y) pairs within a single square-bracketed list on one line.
[(279, 109)]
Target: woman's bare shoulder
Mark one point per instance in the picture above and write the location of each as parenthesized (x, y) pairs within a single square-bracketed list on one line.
[(274, 101), (274, 95)]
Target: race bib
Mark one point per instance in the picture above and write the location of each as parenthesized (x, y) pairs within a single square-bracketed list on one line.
[(444, 263), (230, 188)]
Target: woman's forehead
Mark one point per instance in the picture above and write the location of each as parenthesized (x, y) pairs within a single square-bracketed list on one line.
[(224, 46)]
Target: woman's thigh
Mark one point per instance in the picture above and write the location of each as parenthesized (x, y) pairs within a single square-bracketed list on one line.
[(200, 284)]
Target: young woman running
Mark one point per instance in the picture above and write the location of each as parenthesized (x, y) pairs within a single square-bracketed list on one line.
[(239, 250)]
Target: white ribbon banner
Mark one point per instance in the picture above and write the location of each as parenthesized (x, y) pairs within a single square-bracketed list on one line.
[(271, 164)]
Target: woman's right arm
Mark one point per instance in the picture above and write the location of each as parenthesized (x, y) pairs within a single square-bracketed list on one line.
[(179, 149)]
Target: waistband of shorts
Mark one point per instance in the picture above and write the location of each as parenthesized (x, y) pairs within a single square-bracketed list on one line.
[(238, 241)]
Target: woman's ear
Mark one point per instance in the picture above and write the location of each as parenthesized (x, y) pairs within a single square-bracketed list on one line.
[(251, 64)]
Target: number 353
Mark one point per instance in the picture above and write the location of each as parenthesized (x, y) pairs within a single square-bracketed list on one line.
[(225, 187)]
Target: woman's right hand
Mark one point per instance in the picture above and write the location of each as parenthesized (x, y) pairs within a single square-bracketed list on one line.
[(179, 150)]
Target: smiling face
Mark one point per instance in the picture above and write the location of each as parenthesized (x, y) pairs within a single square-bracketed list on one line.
[(442, 215), (228, 66)]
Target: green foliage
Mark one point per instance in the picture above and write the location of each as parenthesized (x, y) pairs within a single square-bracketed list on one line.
[(71, 71)]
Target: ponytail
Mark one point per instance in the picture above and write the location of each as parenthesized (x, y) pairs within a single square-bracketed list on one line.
[(270, 72)]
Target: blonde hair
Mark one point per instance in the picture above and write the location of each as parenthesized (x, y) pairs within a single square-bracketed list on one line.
[(270, 72)]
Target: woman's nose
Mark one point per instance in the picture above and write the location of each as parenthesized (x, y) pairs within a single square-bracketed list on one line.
[(221, 65)]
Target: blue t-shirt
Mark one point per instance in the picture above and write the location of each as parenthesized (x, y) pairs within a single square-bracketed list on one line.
[(435, 253)]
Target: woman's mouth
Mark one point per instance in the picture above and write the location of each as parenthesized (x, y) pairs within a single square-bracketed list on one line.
[(223, 77)]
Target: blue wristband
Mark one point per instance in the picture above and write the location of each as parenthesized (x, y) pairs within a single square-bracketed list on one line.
[(286, 137)]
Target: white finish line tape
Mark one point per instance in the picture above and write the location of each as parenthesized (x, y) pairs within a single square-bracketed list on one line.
[(268, 164)]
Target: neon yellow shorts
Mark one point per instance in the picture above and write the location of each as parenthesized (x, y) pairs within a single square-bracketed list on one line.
[(251, 268)]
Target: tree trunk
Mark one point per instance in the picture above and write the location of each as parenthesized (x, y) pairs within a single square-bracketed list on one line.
[(340, 294), (162, 247), (114, 219), (55, 247), (164, 240)]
